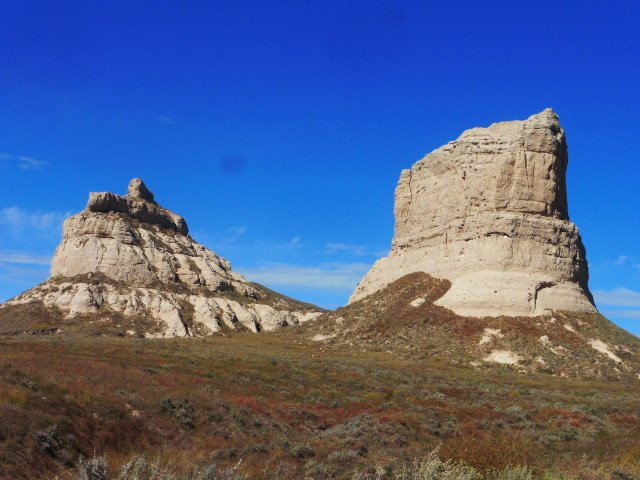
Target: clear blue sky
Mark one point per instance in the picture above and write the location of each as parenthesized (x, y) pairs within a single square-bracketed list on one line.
[(279, 129)]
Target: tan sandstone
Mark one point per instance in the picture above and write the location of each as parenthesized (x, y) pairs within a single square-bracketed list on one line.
[(126, 256), (489, 212)]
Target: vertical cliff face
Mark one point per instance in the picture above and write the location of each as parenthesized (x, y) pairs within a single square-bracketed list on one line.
[(489, 212), (128, 266)]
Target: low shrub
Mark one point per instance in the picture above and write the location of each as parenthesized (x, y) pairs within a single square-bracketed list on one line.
[(432, 468), (139, 469)]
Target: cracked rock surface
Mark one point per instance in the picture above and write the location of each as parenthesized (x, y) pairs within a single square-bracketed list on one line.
[(489, 213), (127, 266)]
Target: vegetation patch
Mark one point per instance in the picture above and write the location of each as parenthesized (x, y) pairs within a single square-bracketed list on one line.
[(281, 406)]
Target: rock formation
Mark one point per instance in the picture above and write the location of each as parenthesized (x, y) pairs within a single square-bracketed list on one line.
[(489, 213), (129, 262)]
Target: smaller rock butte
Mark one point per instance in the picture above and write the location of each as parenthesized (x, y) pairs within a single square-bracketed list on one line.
[(126, 256), (489, 212)]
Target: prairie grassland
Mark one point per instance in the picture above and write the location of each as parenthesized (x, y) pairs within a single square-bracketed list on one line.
[(278, 406)]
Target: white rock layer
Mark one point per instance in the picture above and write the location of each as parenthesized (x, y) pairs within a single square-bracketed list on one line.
[(489, 212), (127, 256)]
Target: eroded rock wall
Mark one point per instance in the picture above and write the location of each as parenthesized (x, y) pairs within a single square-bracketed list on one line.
[(127, 262), (489, 212)]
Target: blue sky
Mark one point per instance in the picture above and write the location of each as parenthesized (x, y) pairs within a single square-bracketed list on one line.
[(279, 129)]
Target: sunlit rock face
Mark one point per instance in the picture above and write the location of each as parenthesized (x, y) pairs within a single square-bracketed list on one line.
[(489, 212), (131, 239), (129, 262)]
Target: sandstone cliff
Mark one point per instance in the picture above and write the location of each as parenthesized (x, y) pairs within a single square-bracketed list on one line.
[(489, 213), (128, 266)]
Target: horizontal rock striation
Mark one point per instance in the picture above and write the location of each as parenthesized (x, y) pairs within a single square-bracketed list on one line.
[(137, 253), (138, 209), (129, 263), (489, 212)]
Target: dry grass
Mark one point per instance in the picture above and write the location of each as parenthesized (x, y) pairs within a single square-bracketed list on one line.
[(288, 409), (386, 321), (394, 383)]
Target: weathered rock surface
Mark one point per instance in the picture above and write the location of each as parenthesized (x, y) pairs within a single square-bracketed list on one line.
[(139, 205), (129, 262), (489, 212), (138, 189)]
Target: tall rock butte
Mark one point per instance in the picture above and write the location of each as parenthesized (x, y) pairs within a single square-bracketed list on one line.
[(489, 213), (128, 266)]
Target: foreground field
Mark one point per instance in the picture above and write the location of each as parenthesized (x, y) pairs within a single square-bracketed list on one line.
[(276, 406)]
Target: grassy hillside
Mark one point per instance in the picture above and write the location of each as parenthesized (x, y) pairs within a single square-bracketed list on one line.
[(281, 406), (403, 318)]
